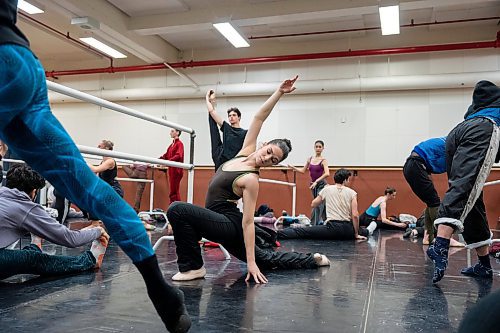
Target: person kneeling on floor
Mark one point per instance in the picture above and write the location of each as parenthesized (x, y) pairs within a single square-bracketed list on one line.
[(20, 215)]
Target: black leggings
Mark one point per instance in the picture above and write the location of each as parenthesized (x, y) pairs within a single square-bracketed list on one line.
[(420, 181), (216, 143), (190, 223), (335, 230), (365, 220)]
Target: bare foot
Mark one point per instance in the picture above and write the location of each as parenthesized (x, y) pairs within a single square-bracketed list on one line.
[(456, 243)]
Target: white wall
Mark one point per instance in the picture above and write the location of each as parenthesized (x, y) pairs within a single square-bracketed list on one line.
[(366, 128)]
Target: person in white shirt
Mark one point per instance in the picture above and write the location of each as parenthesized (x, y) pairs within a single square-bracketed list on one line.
[(342, 217)]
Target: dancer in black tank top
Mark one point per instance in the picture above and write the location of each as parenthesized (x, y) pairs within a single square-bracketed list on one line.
[(108, 170), (222, 222)]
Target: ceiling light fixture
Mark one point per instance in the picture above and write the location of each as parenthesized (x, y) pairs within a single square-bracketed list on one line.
[(389, 20), (28, 7), (231, 34), (102, 47)]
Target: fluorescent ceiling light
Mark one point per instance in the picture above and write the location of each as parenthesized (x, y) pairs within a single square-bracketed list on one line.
[(102, 47), (228, 31), (28, 8), (389, 20)]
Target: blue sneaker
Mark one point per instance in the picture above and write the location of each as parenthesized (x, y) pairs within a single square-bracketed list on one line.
[(439, 256), (478, 270)]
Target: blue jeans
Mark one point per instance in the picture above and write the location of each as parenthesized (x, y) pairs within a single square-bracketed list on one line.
[(31, 260), (32, 132)]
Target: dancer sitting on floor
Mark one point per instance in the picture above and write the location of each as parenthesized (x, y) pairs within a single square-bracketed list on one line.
[(222, 222), (20, 215), (32, 132), (342, 218), (378, 208)]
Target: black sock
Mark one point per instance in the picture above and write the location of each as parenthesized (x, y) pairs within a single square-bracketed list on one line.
[(485, 261), (442, 242), (167, 300)]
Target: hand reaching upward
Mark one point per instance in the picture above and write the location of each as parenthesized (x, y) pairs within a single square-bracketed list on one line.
[(287, 85)]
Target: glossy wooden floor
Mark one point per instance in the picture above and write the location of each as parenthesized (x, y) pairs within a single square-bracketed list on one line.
[(382, 285)]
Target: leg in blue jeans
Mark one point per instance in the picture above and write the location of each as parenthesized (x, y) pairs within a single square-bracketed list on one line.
[(36, 136), (31, 260)]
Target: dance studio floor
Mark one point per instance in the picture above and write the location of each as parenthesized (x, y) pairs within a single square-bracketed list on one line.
[(378, 286)]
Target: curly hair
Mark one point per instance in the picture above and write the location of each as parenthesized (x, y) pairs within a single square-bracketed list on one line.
[(23, 178)]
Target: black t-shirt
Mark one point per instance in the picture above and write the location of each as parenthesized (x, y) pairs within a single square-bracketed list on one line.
[(233, 139), (9, 33)]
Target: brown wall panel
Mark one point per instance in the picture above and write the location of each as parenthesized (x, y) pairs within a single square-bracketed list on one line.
[(368, 183)]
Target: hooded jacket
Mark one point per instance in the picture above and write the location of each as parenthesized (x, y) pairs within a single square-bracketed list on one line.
[(485, 103), (19, 215), (486, 95)]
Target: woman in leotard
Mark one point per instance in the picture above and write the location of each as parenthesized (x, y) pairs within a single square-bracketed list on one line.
[(319, 172), (222, 222), (378, 208)]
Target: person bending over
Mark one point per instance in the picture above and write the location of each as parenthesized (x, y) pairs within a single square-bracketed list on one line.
[(471, 150), (20, 215), (379, 208), (221, 221), (232, 134), (342, 218), (428, 157), (30, 129)]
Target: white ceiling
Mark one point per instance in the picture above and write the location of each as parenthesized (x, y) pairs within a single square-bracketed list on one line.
[(152, 31)]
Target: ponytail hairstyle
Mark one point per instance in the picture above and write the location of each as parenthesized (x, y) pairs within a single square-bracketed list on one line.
[(284, 144), (107, 144)]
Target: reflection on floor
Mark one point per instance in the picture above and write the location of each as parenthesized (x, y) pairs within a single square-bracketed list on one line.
[(382, 285)]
